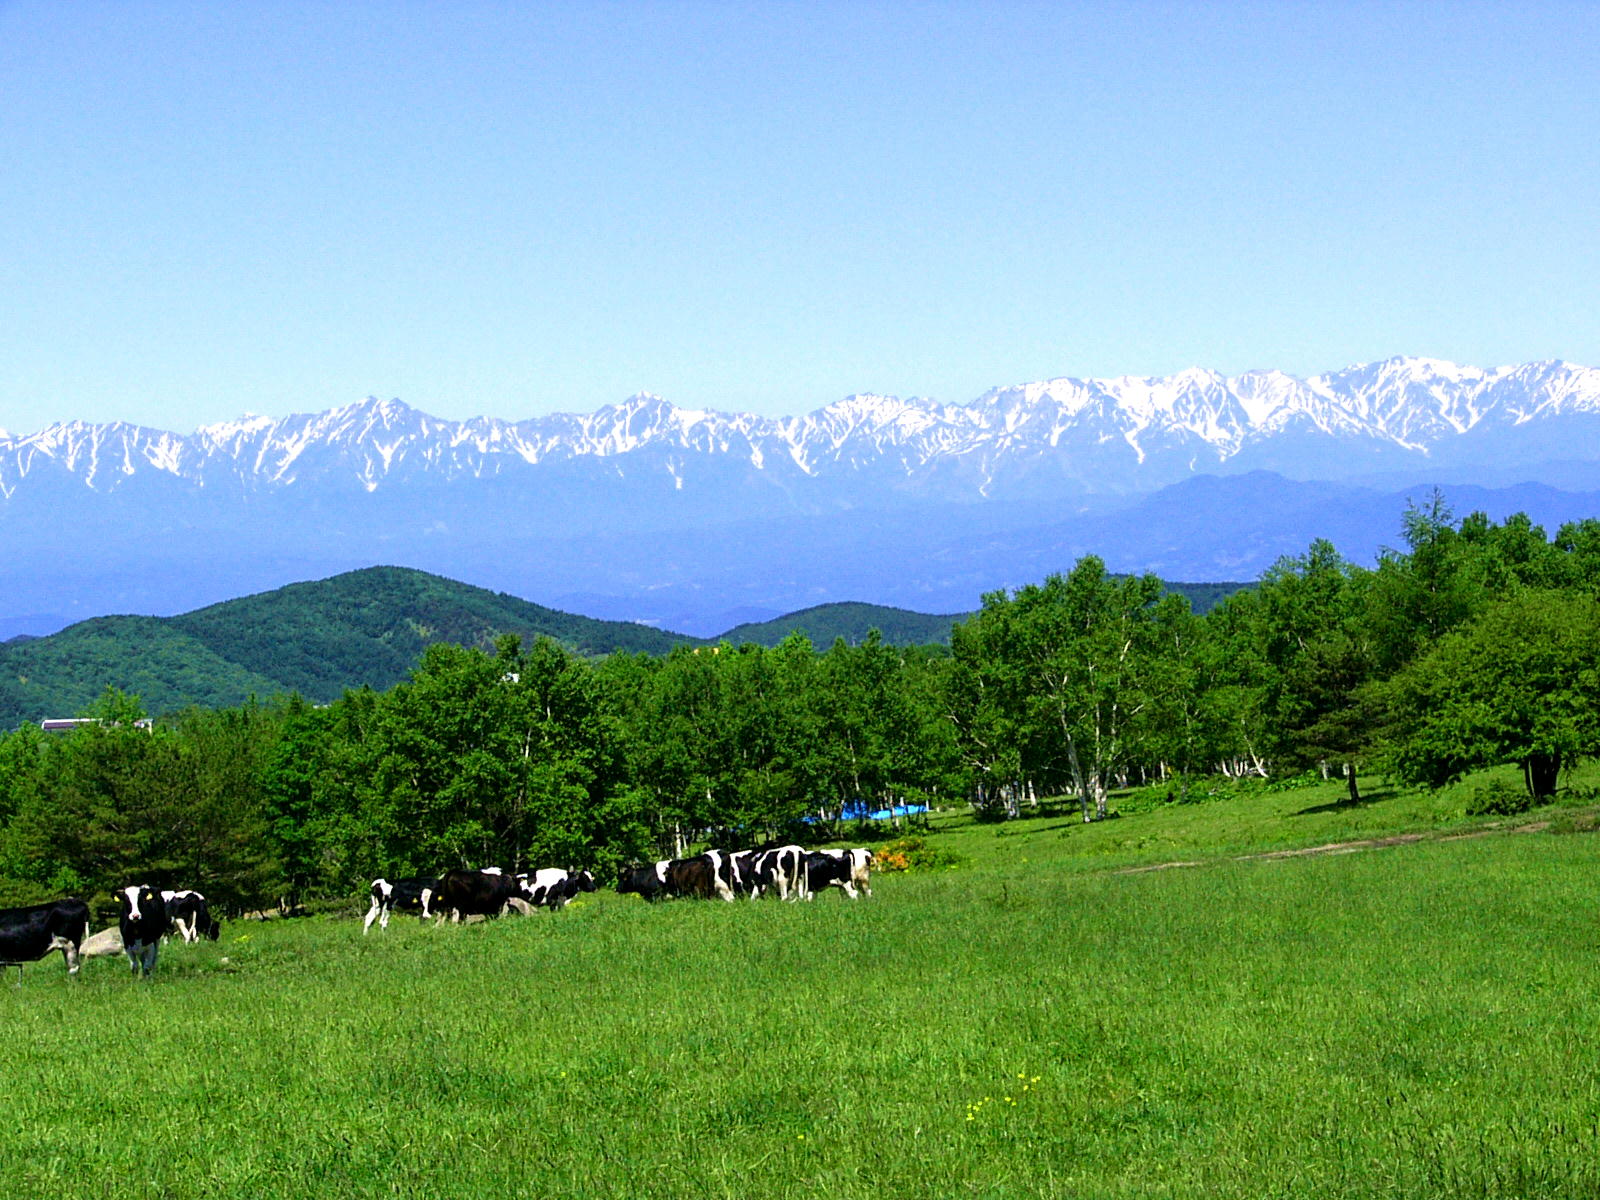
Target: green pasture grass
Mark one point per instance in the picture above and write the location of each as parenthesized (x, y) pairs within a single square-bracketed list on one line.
[(1416, 1021), (1251, 822)]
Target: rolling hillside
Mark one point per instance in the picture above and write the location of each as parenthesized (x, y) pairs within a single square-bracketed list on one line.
[(826, 623), (366, 627)]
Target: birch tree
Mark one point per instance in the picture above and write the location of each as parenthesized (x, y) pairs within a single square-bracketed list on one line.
[(1069, 668)]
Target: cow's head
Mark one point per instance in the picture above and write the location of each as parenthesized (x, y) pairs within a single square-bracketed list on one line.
[(140, 901), (585, 881)]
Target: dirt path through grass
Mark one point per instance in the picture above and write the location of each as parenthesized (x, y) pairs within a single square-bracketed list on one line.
[(1350, 847)]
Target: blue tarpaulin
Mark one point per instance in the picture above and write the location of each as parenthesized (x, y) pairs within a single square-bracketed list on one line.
[(884, 814)]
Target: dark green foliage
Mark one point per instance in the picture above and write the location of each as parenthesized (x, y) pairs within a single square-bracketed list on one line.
[(369, 628), (1520, 683), (1059, 683), (853, 622), (60, 676), (361, 629), (827, 623), (118, 802), (1498, 798), (1203, 597)]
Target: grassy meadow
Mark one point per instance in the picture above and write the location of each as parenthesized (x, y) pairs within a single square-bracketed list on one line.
[(1042, 1019)]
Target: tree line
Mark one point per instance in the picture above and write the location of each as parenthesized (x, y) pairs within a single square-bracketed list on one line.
[(1475, 644)]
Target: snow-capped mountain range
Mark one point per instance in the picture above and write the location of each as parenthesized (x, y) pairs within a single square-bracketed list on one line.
[(698, 519), (1073, 435)]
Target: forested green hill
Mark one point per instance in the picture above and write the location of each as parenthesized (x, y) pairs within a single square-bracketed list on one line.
[(827, 622), (364, 627)]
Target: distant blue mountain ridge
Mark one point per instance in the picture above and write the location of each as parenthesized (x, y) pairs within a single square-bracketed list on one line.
[(698, 521)]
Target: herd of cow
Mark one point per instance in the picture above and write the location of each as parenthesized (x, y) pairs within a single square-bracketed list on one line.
[(790, 872), (147, 916), (793, 872)]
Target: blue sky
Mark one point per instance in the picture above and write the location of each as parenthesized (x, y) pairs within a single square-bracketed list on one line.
[(513, 209)]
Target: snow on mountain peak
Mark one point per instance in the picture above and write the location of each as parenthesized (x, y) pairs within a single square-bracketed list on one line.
[(1410, 406), (242, 426)]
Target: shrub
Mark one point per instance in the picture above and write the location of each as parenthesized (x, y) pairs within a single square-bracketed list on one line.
[(914, 854), (1498, 798), (1311, 777)]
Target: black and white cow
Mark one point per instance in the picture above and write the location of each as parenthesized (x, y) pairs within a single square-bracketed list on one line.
[(551, 887), (142, 922), (825, 870), (28, 934), (477, 894), (782, 869), (413, 894), (746, 872), (860, 860), (191, 916), (649, 882), (724, 873), (714, 873)]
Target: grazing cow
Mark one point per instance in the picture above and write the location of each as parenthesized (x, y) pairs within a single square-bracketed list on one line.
[(826, 871), (700, 877), (191, 916), (747, 873), (649, 882), (552, 887), (724, 873), (413, 894), (782, 870), (142, 921), (28, 934), (860, 860), (477, 894)]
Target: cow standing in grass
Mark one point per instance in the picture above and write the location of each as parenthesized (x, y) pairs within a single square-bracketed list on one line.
[(847, 870), (406, 895), (190, 915), (143, 922), (779, 869), (551, 887), (478, 894), (649, 882), (695, 878), (28, 934), (859, 860)]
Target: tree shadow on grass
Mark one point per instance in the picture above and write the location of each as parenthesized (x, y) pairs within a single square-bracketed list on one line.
[(1347, 805)]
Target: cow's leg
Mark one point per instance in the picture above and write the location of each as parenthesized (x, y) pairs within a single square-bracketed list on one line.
[(69, 952), (372, 915)]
